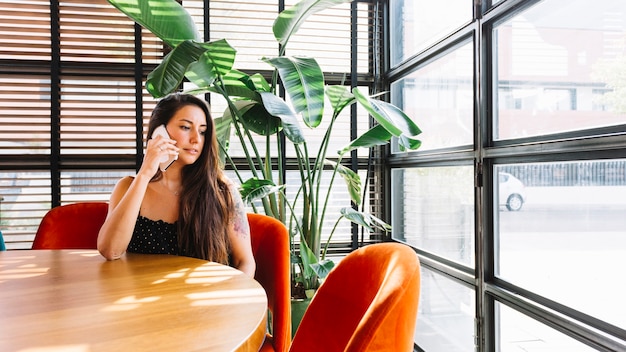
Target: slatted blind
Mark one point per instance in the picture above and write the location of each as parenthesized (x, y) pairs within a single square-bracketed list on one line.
[(25, 30), (324, 36), (87, 96), (24, 113), (97, 83)]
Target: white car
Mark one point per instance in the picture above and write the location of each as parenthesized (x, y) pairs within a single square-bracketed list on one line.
[(511, 191)]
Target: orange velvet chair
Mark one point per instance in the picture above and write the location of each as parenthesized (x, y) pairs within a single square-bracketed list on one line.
[(368, 302), (71, 226), (270, 247)]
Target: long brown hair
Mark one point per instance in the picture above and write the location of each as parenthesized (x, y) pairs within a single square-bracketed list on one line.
[(205, 204)]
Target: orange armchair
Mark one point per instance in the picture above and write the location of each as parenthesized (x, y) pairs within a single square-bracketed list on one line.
[(270, 247), (368, 302), (71, 226)]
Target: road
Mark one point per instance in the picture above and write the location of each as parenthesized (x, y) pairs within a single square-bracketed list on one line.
[(565, 218), (569, 249)]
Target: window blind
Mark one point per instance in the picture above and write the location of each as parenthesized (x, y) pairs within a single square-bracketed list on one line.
[(71, 125), (25, 30)]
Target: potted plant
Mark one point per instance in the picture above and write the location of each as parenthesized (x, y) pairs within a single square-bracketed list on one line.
[(255, 108)]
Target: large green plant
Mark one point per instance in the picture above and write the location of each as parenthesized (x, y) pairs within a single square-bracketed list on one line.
[(255, 108)]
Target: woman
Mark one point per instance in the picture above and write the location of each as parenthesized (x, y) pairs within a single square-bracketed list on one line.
[(191, 208)]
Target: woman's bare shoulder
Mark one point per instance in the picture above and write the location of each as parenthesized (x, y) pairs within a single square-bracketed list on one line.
[(125, 182), (122, 186)]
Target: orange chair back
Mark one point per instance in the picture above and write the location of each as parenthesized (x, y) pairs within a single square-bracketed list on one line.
[(71, 226), (368, 302), (270, 247)]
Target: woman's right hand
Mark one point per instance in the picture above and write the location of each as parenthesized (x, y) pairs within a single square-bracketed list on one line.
[(157, 148)]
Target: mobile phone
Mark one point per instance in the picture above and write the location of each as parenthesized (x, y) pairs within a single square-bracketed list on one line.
[(166, 160)]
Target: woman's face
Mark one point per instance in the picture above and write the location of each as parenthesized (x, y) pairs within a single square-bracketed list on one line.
[(188, 127)]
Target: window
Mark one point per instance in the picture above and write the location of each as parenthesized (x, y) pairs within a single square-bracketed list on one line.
[(515, 200), (446, 314), (519, 331), (436, 212), (74, 111), (417, 24), (552, 63), (568, 211), (439, 97)]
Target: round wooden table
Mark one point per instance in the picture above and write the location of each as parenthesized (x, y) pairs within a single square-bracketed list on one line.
[(75, 300)]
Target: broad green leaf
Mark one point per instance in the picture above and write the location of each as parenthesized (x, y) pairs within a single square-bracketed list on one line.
[(323, 268), (259, 121), (388, 115), (242, 107), (258, 83), (222, 133), (255, 188), (201, 73), (377, 135), (289, 20), (295, 259), (254, 116), (167, 77), (308, 259), (215, 62), (339, 97), (368, 221), (239, 84), (202, 63), (277, 107), (304, 82), (353, 180), (166, 19), (408, 143)]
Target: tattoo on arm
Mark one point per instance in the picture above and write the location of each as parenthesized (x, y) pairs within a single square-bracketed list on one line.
[(240, 218)]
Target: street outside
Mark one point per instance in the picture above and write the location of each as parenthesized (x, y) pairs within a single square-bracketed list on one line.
[(567, 244)]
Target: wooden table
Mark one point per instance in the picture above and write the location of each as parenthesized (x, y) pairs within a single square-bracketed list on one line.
[(75, 300)]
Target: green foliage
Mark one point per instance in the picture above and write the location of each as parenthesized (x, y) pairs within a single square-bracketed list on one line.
[(255, 108), (613, 72), (167, 19), (289, 21)]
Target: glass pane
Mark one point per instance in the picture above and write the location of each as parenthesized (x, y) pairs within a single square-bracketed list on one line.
[(92, 30), (25, 30), (339, 136), (325, 35), (246, 25), (570, 227), (94, 186), (439, 99), (25, 197), (558, 72), (24, 114), (445, 320), (416, 24), (433, 209), (518, 332), (98, 116), (337, 199)]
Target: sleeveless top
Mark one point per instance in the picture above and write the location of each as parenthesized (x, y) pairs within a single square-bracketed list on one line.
[(157, 237), (153, 237)]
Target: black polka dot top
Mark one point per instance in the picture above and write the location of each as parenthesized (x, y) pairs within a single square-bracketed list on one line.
[(153, 237)]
